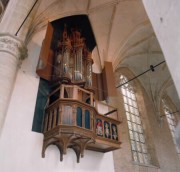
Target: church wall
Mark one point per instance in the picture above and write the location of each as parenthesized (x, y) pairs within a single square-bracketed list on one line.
[(20, 147), (166, 22)]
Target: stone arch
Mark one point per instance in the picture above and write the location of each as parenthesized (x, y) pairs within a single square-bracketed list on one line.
[(52, 142), (135, 30), (40, 24), (145, 107)]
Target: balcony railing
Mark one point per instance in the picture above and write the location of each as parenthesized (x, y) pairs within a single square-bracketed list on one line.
[(72, 113)]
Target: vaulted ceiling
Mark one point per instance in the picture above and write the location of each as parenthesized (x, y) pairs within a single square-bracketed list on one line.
[(123, 34)]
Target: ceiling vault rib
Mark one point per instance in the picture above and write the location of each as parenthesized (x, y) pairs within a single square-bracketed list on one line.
[(128, 48), (150, 69), (41, 18), (114, 2), (142, 53), (105, 5), (44, 12), (119, 1), (110, 29), (99, 58), (42, 23), (138, 43), (88, 5), (26, 17), (132, 32)]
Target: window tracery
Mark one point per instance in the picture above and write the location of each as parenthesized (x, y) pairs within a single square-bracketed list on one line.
[(171, 120), (139, 147)]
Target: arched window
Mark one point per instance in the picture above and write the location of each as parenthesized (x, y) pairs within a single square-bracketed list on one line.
[(137, 138), (79, 117), (171, 120), (87, 119)]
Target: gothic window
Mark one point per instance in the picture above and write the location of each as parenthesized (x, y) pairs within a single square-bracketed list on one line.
[(171, 120), (139, 149), (3, 5)]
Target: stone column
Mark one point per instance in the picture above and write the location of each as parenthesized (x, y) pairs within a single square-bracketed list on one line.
[(11, 48), (11, 52)]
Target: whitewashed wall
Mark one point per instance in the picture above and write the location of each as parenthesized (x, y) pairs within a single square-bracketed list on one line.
[(165, 19), (20, 148)]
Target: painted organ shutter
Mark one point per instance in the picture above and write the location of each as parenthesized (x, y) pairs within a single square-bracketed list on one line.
[(44, 68), (41, 102)]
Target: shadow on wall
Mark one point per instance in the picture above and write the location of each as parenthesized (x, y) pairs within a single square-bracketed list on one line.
[(41, 101), (87, 163)]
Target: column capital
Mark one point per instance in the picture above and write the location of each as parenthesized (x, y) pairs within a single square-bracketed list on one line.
[(13, 46)]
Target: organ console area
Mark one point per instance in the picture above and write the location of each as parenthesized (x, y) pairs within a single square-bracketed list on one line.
[(73, 116)]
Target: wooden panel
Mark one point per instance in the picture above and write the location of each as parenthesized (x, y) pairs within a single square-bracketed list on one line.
[(108, 80), (98, 86), (44, 69), (94, 85)]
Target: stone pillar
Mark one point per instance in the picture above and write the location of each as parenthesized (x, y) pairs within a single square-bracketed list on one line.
[(11, 48), (11, 51)]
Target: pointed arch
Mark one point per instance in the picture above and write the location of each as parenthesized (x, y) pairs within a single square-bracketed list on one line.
[(170, 112), (134, 97)]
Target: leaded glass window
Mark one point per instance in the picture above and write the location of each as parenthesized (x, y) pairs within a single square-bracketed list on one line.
[(137, 137), (170, 116)]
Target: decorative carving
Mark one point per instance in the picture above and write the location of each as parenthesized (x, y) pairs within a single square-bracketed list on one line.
[(99, 127), (81, 126), (73, 61), (23, 53), (13, 46), (114, 132), (64, 140), (107, 130)]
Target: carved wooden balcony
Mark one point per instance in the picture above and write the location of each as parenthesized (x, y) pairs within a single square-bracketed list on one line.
[(73, 120)]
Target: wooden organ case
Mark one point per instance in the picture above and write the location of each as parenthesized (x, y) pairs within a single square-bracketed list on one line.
[(72, 117)]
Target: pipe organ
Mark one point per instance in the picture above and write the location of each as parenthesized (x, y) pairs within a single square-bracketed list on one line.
[(73, 61), (72, 116)]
